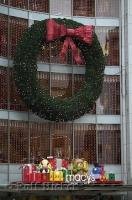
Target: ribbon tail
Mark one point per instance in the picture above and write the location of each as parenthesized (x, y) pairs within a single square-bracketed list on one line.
[(69, 43), (64, 50), (75, 52), (78, 59)]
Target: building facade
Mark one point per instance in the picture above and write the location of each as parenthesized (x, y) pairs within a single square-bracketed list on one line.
[(103, 135)]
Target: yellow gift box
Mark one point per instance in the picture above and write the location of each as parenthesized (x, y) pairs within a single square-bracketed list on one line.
[(51, 177), (56, 176)]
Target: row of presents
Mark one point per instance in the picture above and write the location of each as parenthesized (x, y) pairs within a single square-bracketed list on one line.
[(57, 170)]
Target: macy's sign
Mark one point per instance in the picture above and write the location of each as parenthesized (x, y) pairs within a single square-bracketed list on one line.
[(80, 178)]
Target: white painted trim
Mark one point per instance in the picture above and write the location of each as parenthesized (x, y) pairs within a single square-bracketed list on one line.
[(107, 22), (18, 13), (3, 62), (112, 70), (4, 9), (84, 20), (25, 14), (33, 15), (38, 16), (59, 68), (97, 21), (59, 16), (99, 119), (88, 118), (3, 114)]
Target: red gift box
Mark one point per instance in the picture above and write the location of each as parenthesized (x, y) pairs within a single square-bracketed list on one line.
[(37, 177), (45, 177), (28, 173), (52, 161), (65, 163), (58, 163)]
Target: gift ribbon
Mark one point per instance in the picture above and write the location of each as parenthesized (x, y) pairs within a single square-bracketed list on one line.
[(31, 167), (55, 30)]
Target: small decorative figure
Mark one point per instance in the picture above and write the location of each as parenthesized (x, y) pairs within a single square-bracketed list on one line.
[(98, 171), (45, 166), (79, 166)]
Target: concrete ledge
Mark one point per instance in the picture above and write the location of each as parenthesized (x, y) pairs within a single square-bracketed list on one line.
[(34, 15), (88, 118), (61, 68)]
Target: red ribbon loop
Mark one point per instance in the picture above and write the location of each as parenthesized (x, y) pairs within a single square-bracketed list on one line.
[(55, 30)]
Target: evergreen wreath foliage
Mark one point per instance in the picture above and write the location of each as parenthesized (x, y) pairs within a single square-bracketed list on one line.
[(36, 98)]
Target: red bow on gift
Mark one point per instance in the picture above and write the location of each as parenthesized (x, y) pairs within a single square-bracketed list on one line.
[(55, 30)]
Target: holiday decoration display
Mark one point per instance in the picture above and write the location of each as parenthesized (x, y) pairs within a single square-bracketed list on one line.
[(111, 176), (79, 166), (52, 162), (45, 166), (58, 163), (75, 171), (58, 176), (101, 176), (28, 173), (75, 36), (98, 171)]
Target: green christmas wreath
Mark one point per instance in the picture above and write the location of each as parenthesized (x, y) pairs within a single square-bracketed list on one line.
[(25, 73)]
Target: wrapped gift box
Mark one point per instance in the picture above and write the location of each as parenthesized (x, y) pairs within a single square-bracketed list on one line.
[(28, 173), (65, 163), (66, 174), (111, 177), (98, 172), (52, 161), (45, 177), (51, 176), (56, 176), (58, 163), (37, 177)]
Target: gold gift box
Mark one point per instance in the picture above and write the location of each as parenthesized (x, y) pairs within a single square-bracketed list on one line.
[(56, 176)]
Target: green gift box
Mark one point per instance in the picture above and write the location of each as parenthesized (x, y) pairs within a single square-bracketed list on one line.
[(111, 177), (65, 173)]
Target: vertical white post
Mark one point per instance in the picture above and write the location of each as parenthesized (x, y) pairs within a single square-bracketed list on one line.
[(128, 65), (123, 91)]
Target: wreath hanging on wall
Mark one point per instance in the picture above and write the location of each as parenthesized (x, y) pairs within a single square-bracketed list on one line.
[(73, 35)]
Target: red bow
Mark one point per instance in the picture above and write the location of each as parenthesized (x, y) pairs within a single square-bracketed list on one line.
[(55, 30)]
